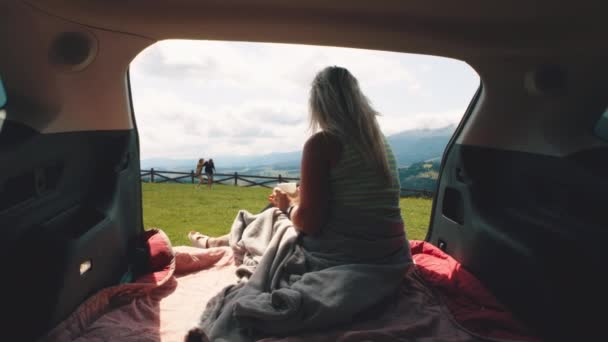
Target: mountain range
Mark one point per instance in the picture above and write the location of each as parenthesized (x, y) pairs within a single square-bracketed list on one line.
[(409, 147)]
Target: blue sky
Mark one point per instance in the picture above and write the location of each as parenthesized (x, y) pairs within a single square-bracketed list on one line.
[(206, 98)]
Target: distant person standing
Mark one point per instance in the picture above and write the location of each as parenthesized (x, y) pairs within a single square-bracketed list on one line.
[(199, 172), (209, 170)]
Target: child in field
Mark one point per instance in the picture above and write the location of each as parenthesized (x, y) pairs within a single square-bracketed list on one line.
[(199, 172)]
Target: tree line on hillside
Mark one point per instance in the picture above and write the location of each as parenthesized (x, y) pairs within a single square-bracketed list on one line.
[(420, 176)]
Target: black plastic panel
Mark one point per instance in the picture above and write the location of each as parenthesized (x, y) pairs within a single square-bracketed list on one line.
[(533, 230), (66, 199), (453, 207)]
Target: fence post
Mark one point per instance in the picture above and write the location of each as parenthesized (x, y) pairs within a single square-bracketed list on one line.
[(192, 175), (151, 175), (280, 179), (236, 177)]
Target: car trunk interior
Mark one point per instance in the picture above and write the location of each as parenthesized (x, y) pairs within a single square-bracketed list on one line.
[(523, 182)]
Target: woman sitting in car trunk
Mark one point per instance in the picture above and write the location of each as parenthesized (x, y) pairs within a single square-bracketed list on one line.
[(348, 224)]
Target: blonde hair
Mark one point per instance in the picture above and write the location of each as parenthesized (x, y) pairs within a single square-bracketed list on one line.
[(338, 107)]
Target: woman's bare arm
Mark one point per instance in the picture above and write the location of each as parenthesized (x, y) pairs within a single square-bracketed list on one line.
[(320, 153)]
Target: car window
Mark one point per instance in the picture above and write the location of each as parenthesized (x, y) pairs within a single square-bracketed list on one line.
[(2, 95), (245, 105), (2, 104), (601, 128)]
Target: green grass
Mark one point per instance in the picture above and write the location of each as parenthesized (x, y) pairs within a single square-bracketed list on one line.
[(179, 208), (416, 213)]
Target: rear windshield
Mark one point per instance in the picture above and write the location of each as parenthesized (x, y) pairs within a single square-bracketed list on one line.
[(2, 95), (601, 128)]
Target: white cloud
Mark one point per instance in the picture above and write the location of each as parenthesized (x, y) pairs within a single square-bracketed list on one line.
[(196, 98), (392, 124), (170, 126)]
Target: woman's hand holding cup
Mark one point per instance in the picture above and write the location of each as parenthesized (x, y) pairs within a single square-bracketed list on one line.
[(279, 199)]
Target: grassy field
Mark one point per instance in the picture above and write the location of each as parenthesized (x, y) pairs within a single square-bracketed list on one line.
[(179, 208)]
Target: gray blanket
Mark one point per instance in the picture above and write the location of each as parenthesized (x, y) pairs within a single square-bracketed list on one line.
[(285, 288)]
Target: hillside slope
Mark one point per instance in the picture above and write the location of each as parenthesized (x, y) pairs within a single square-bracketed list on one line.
[(421, 176), (408, 146)]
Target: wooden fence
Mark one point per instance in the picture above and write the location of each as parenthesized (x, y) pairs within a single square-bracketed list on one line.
[(158, 176)]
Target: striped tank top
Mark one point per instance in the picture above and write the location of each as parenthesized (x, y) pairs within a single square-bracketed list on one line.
[(364, 223), (356, 185)]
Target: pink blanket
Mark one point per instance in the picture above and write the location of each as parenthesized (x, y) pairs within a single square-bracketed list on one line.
[(438, 301)]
